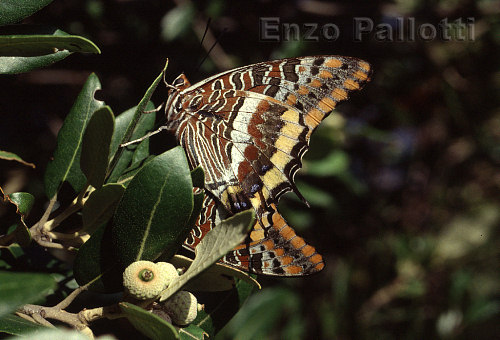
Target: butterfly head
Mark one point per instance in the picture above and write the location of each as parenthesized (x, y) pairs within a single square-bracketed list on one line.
[(180, 83)]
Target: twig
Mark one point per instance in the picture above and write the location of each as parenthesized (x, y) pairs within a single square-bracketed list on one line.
[(108, 312), (71, 297), (48, 244), (45, 216)]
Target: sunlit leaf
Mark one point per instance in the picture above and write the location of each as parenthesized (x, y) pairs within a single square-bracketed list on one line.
[(9, 156), (216, 243), (17, 289)]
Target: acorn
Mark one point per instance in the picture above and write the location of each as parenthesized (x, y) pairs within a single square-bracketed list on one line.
[(182, 308), (144, 280)]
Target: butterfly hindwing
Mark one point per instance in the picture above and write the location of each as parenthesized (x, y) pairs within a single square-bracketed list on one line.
[(272, 248)]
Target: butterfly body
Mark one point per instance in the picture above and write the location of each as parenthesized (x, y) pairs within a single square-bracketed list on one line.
[(248, 128)]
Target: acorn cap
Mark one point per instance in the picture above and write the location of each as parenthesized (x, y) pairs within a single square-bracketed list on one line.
[(144, 280)]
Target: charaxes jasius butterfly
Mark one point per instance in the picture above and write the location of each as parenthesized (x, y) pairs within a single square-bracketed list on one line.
[(248, 128)]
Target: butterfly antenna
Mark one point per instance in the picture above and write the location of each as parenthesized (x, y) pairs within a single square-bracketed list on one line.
[(207, 26), (211, 48)]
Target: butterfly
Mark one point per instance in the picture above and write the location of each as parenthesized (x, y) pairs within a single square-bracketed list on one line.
[(248, 128)]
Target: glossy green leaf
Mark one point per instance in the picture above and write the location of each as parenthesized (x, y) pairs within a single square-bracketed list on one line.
[(216, 243), (14, 325), (32, 47), (66, 164), (100, 206), (24, 202), (96, 263), (43, 44), (126, 155), (96, 143), (192, 332), (17, 289), (12, 11), (152, 214), (9, 156), (221, 307), (148, 323), (129, 173), (133, 124), (14, 65)]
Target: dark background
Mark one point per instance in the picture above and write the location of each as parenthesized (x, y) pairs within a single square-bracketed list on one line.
[(404, 185)]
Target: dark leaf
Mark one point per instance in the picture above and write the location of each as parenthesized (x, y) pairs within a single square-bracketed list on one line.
[(126, 154), (154, 209), (148, 323), (100, 206), (134, 123), (96, 142), (96, 263), (12, 11), (66, 164)]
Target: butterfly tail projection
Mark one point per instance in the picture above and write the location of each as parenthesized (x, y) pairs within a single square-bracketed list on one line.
[(272, 247)]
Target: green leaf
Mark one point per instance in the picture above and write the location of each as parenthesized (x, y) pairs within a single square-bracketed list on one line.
[(43, 44), (148, 323), (9, 156), (14, 325), (23, 202), (23, 234), (96, 262), (216, 278), (17, 289), (216, 243), (12, 11), (14, 65), (36, 47), (154, 209), (126, 155), (129, 173), (66, 164), (96, 143), (133, 124), (192, 332), (198, 177), (100, 206)]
